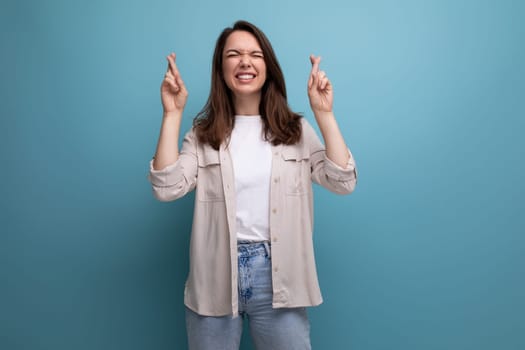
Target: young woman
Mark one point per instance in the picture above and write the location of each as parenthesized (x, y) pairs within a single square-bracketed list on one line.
[(252, 162)]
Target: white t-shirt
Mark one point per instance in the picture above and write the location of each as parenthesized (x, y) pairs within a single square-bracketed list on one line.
[(252, 165)]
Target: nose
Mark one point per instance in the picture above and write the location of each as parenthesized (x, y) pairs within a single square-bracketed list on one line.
[(245, 60)]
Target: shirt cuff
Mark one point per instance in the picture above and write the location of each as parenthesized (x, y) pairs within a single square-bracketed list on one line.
[(349, 172), (161, 177)]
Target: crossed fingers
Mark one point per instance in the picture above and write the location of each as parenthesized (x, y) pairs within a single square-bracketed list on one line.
[(317, 77), (172, 76)]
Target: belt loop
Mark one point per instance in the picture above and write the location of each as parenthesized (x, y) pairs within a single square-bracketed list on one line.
[(268, 250)]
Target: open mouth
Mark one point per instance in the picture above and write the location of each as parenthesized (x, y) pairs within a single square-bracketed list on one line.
[(245, 76)]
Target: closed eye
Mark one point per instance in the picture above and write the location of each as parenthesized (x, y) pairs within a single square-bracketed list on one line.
[(236, 53), (232, 53)]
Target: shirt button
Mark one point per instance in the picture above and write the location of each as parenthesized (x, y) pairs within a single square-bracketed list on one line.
[(274, 210), (276, 153), (276, 269), (275, 239), (276, 180)]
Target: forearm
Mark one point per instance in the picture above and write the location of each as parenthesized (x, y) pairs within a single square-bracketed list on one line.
[(168, 145), (336, 148)]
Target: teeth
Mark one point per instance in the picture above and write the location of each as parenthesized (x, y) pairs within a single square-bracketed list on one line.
[(246, 76)]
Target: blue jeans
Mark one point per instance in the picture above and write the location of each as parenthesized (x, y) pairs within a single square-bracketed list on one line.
[(279, 329)]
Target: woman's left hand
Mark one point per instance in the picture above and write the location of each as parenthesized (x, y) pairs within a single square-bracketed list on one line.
[(320, 91)]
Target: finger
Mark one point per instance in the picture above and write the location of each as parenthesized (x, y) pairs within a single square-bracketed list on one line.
[(170, 81), (169, 74), (180, 82), (314, 81), (175, 71), (311, 78), (315, 63), (327, 85), (323, 83), (171, 63), (174, 86), (321, 79)]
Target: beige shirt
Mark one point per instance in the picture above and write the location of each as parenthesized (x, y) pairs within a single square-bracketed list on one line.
[(211, 287)]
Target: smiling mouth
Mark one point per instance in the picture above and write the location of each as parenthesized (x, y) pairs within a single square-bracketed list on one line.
[(245, 76)]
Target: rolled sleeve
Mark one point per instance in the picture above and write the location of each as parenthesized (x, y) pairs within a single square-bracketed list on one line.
[(324, 171), (338, 173), (179, 178), (165, 177)]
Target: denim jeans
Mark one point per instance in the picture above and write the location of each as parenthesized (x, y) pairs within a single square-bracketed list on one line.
[(271, 329)]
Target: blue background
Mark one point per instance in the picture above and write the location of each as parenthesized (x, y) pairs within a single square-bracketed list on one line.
[(428, 253)]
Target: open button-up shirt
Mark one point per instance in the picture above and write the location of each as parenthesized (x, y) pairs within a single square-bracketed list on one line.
[(211, 287)]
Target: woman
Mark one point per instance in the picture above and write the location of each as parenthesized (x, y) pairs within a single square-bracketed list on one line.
[(252, 162)]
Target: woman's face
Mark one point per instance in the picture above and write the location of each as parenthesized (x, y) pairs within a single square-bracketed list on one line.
[(243, 64)]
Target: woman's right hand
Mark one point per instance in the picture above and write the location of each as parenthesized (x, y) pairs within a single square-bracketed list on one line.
[(173, 91)]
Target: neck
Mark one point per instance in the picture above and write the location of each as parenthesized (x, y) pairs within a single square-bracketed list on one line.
[(247, 105)]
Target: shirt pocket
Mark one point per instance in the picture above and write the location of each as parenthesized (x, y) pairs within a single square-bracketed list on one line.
[(296, 170), (209, 178)]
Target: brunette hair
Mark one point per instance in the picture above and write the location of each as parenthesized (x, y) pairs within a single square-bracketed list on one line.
[(215, 121)]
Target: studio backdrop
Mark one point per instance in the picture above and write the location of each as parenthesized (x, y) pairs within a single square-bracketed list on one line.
[(427, 253)]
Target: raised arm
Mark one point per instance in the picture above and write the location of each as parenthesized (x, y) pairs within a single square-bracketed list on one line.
[(320, 93), (174, 96)]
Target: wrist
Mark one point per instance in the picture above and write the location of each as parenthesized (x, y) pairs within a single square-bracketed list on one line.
[(323, 114), (171, 114)]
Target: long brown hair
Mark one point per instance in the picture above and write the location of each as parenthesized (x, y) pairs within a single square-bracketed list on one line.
[(215, 121)]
